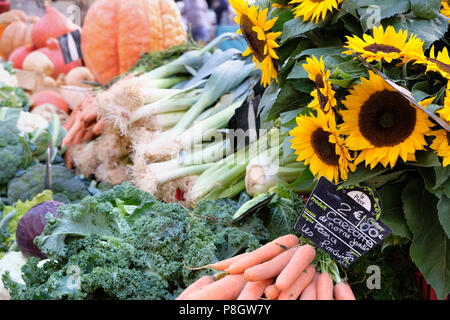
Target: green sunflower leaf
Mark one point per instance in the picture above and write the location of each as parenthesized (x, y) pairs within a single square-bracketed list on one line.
[(436, 180), (391, 198), (296, 28), (380, 9), (427, 30), (428, 9), (321, 51), (303, 85), (363, 173), (430, 248), (425, 159), (287, 99), (284, 16), (298, 72), (444, 213)]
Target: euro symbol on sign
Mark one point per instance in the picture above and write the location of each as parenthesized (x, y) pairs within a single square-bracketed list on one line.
[(357, 215)]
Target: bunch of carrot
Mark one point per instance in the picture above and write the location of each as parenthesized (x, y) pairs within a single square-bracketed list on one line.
[(83, 125), (280, 270)]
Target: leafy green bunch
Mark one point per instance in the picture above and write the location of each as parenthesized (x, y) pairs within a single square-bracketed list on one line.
[(124, 244)]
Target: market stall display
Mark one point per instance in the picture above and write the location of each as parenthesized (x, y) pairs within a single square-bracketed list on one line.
[(146, 166)]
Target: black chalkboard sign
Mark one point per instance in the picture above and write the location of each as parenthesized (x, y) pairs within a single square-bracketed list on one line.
[(243, 127), (339, 224), (70, 44)]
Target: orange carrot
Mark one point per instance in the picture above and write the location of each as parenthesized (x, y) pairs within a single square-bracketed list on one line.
[(200, 283), (294, 291), (325, 287), (222, 265), (301, 259), (89, 135), (89, 113), (78, 137), (272, 292), (343, 291), (310, 292), (227, 288), (99, 127), (254, 290), (69, 158), (264, 253), (271, 268), (73, 116), (73, 131)]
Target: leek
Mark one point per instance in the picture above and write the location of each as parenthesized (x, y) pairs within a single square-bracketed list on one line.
[(203, 128), (232, 169), (188, 61), (166, 176), (171, 142), (163, 106), (163, 121), (226, 77)]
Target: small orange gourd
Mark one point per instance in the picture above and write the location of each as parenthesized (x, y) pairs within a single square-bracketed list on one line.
[(9, 17), (117, 32), (15, 35)]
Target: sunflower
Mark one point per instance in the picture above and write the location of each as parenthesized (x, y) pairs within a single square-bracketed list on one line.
[(439, 63), (255, 27), (445, 8), (386, 45), (314, 9), (382, 124), (317, 143), (441, 144), (444, 113), (323, 94), (280, 6)]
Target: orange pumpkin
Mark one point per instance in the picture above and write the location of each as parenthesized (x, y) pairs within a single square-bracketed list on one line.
[(117, 32), (9, 17), (17, 34)]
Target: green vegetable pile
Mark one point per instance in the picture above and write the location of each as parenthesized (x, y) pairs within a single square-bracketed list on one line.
[(66, 186), (124, 244), (14, 152)]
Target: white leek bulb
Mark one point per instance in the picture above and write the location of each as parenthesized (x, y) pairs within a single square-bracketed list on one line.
[(261, 175)]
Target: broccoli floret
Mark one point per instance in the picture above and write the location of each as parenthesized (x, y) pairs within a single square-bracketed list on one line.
[(66, 186), (15, 153)]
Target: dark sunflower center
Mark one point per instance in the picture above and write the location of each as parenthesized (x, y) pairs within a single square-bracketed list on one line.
[(319, 85), (324, 149), (442, 66), (387, 119), (255, 45), (448, 138), (374, 48), (319, 81)]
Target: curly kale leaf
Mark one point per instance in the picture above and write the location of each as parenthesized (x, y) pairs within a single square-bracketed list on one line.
[(282, 212), (66, 186), (124, 244), (93, 269), (15, 153)]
